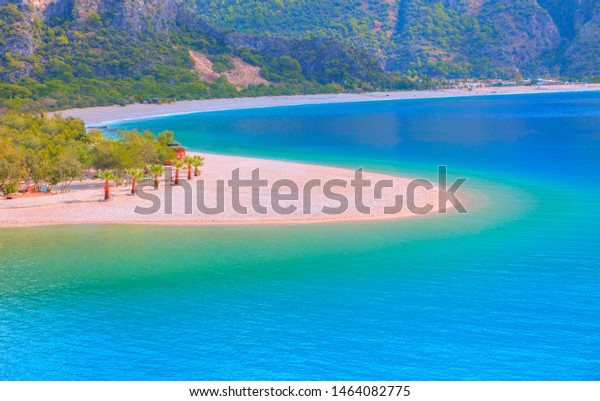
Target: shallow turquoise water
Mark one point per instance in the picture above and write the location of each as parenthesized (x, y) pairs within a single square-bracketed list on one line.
[(510, 291)]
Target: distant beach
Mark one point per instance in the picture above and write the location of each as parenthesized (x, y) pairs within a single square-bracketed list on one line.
[(102, 115)]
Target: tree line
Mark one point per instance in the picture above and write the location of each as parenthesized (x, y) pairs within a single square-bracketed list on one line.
[(53, 151)]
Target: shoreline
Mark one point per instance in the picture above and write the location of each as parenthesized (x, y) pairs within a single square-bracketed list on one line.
[(83, 205), (98, 116)]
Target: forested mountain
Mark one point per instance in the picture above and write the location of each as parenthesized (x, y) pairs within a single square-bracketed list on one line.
[(578, 22), (61, 53), (64, 53), (448, 38)]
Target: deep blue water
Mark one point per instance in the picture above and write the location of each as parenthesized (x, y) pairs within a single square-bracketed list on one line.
[(510, 291), (549, 135)]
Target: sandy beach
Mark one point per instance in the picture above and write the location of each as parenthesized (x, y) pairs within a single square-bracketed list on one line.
[(98, 116), (84, 203)]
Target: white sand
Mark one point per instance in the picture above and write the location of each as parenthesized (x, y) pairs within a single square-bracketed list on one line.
[(102, 115), (83, 204)]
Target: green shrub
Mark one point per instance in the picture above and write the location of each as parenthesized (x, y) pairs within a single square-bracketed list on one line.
[(10, 188)]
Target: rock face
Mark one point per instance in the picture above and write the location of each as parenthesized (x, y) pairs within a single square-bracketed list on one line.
[(21, 36), (583, 53), (135, 15), (44, 9), (509, 34), (81, 53), (18, 41), (579, 24), (130, 15), (526, 32)]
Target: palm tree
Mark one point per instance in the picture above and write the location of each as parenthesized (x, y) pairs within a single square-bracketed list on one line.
[(129, 174), (198, 161), (189, 160), (177, 164), (135, 175), (106, 175), (118, 179), (158, 171)]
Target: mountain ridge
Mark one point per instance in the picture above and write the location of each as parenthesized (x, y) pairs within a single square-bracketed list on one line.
[(64, 53), (79, 53), (444, 38)]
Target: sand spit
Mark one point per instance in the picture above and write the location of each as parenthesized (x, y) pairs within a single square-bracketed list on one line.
[(84, 203)]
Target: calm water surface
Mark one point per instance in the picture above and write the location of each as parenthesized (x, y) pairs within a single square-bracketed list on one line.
[(510, 291)]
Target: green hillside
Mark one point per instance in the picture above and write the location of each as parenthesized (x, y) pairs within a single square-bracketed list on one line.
[(66, 53), (443, 38), (73, 57)]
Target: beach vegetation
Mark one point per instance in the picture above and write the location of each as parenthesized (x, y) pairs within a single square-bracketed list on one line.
[(131, 150), (10, 187), (106, 176), (197, 162), (50, 151), (157, 170), (43, 149), (189, 160), (12, 165), (136, 175), (118, 179), (178, 164)]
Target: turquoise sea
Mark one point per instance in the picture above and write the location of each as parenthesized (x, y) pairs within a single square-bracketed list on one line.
[(510, 291)]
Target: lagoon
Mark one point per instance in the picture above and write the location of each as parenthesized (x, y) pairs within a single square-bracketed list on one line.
[(510, 291)]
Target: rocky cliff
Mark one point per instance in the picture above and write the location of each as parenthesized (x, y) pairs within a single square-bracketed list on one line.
[(131, 15), (468, 37)]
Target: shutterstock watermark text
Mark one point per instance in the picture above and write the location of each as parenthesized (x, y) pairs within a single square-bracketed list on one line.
[(251, 193)]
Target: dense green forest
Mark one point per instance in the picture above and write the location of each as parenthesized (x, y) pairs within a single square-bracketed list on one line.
[(366, 24), (437, 38), (56, 54), (63, 61), (94, 64)]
